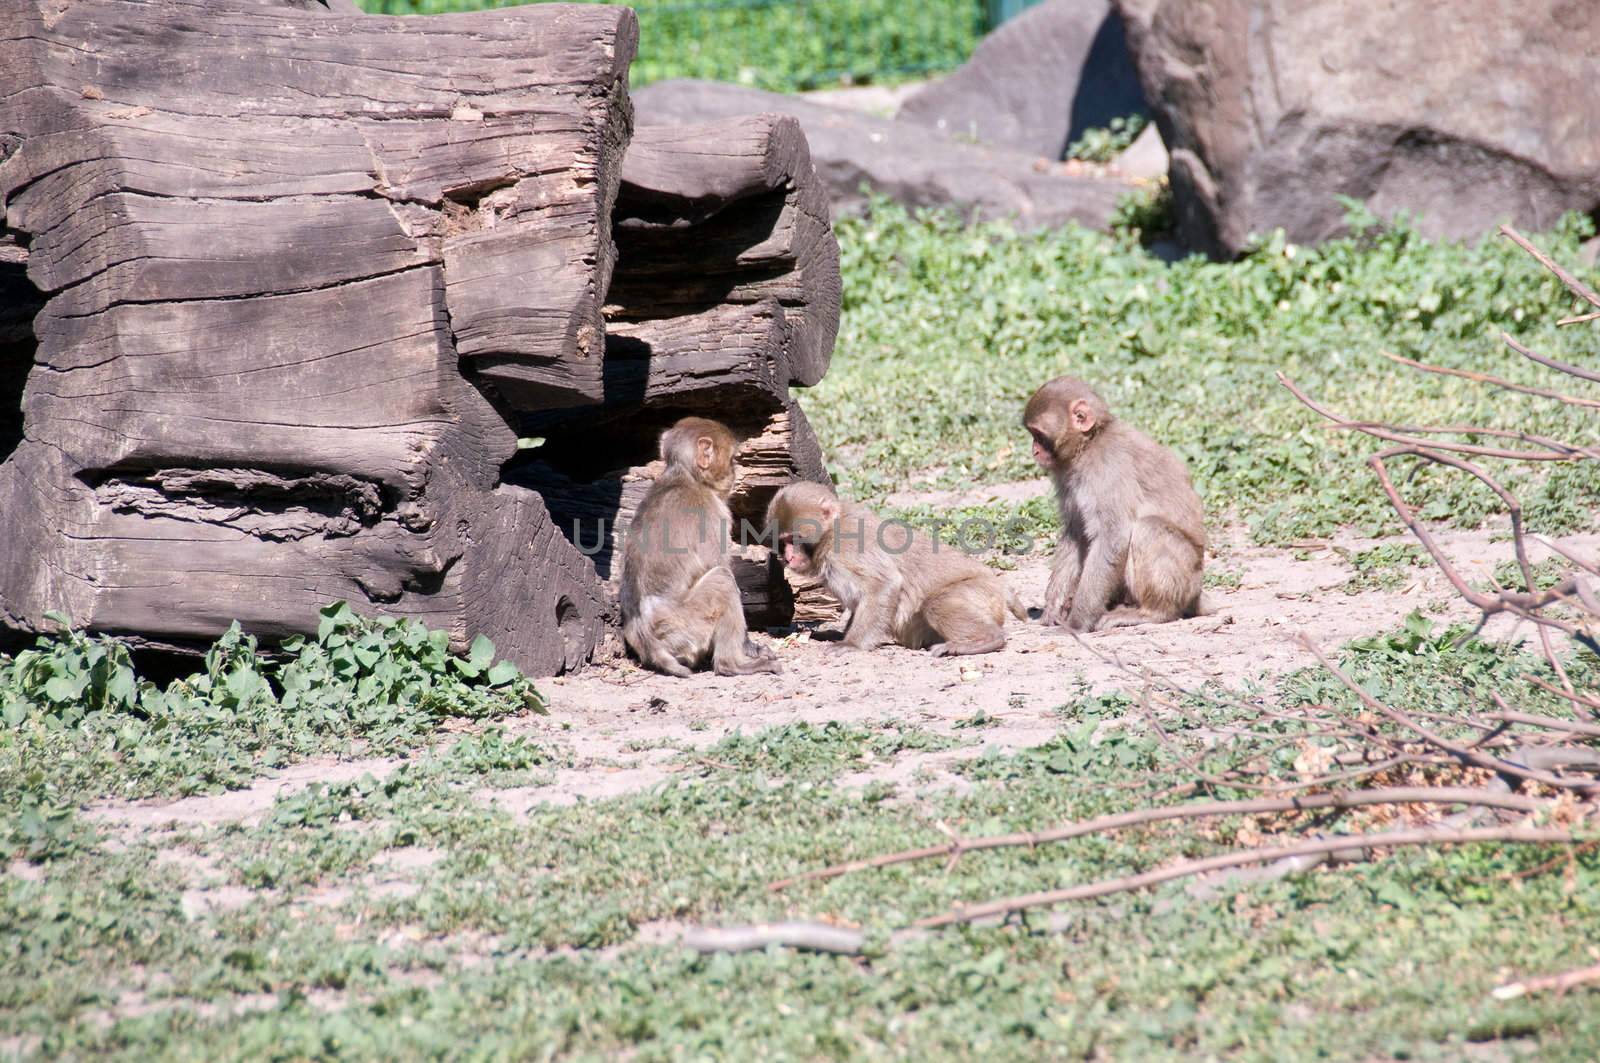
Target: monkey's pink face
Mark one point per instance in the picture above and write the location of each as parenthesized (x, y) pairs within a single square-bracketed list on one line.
[(797, 554)]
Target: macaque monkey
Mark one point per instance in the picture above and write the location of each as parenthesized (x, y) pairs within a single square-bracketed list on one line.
[(1133, 535), (680, 604), (895, 584)]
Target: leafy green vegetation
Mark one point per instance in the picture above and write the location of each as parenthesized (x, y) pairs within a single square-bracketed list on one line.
[(1546, 574), (948, 328), (435, 906), (1382, 568), (523, 936), (782, 45), (1104, 143), (80, 723), (802, 750)]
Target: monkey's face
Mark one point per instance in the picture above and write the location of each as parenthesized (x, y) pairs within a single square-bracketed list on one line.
[(798, 555), (802, 516), (1043, 450), (1062, 417), (721, 478)]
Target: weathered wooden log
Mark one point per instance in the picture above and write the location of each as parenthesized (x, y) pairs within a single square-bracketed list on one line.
[(265, 268), (724, 295), (293, 303), (758, 233)]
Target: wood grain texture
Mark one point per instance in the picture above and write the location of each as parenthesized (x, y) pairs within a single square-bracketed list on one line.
[(263, 271), (729, 212), (285, 284)]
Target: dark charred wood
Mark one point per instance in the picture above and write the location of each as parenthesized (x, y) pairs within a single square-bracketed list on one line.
[(19, 302)]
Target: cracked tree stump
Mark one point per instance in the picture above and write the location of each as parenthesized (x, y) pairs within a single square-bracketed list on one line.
[(293, 304)]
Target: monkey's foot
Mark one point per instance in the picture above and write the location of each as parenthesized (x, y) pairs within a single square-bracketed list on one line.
[(967, 649)]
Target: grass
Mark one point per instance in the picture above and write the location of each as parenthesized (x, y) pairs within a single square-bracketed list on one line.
[(947, 329), (405, 914), (522, 936), (780, 45)]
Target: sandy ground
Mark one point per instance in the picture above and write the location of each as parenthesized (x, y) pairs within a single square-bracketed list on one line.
[(624, 729)]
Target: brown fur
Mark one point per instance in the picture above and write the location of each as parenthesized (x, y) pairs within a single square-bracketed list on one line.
[(1133, 534), (893, 588), (680, 604)]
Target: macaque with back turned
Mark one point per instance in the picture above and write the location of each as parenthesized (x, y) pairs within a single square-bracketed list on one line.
[(895, 584), (1133, 534), (680, 604)]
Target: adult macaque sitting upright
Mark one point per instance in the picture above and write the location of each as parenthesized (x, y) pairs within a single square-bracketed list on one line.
[(1133, 535), (680, 604), (895, 584)]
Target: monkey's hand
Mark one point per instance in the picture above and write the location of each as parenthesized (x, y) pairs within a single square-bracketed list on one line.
[(1083, 619), (860, 639), (834, 630), (1062, 590), (1056, 610)]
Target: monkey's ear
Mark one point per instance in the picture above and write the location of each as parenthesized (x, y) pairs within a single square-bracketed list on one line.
[(829, 509), (705, 451), (1082, 415)]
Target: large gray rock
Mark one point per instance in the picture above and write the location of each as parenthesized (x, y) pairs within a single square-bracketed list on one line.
[(1271, 108), (912, 164), (1038, 82)]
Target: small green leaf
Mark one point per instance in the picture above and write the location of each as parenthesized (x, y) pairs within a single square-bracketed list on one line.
[(122, 686), (481, 652)]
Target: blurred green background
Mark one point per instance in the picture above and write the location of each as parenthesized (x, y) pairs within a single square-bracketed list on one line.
[(787, 45)]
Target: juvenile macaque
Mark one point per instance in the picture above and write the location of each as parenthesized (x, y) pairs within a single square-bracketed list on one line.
[(1133, 535), (680, 604), (895, 584)]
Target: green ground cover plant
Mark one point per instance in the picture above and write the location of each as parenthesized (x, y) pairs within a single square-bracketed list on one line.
[(948, 328), (403, 913), (524, 936), (80, 723)]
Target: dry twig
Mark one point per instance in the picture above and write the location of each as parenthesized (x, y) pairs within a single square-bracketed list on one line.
[(956, 847), (1558, 982), (1385, 840)]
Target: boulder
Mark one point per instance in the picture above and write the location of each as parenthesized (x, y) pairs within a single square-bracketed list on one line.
[(1145, 159), (1273, 108), (912, 164), (1038, 82)]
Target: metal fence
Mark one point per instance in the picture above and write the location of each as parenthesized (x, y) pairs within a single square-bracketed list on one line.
[(787, 45)]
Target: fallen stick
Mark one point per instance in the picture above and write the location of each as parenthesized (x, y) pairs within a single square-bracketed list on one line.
[(1399, 795), (811, 937), (1391, 839), (1486, 378), (1574, 285), (1559, 982), (1495, 764)]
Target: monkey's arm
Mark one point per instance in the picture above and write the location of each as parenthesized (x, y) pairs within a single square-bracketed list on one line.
[(1064, 571), (1098, 584), (872, 618)]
